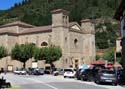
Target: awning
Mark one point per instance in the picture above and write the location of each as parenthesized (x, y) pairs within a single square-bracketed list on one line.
[(117, 65), (98, 62), (109, 66)]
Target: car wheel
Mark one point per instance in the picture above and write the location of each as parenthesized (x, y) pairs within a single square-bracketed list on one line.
[(78, 78), (64, 76), (97, 81), (81, 79), (114, 84)]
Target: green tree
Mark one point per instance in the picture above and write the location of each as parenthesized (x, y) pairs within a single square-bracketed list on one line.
[(53, 54), (98, 57), (49, 54), (3, 52), (39, 53), (22, 52), (109, 55)]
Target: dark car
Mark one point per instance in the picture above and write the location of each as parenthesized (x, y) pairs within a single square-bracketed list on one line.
[(36, 71), (86, 75), (78, 73), (106, 75), (47, 70)]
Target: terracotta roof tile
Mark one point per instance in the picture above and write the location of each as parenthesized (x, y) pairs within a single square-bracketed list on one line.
[(6, 32), (98, 62), (18, 23), (37, 29)]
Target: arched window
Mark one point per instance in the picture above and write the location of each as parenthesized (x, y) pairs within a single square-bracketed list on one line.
[(44, 44), (75, 42), (66, 61)]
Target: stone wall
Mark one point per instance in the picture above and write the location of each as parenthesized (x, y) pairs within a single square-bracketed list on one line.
[(36, 38)]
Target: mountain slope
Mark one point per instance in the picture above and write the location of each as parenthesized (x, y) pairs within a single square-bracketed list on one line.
[(38, 12)]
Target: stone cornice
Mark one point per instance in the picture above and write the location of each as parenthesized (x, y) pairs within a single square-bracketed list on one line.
[(60, 11)]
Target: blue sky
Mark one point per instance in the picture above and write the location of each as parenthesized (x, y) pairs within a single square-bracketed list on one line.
[(6, 4)]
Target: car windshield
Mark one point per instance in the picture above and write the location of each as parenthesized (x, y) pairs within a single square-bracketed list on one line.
[(107, 71)]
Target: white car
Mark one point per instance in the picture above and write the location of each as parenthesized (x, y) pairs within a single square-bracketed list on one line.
[(69, 72), (20, 71)]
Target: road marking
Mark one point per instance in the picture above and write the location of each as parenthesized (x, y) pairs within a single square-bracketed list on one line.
[(44, 83)]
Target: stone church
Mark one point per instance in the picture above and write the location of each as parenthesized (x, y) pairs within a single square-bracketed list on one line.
[(76, 41)]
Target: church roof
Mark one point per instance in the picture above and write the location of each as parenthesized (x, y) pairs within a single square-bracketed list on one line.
[(30, 29), (17, 23), (36, 29), (7, 32), (74, 23)]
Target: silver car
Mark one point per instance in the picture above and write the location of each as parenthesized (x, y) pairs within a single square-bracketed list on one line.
[(20, 71), (106, 75)]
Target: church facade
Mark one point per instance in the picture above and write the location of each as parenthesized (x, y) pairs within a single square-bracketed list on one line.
[(76, 41)]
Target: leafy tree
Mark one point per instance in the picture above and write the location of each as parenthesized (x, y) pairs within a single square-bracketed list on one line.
[(106, 35), (98, 57), (109, 55), (3, 52), (49, 54), (22, 52), (39, 53), (36, 53), (53, 54)]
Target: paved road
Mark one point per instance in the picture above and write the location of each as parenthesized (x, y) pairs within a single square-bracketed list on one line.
[(51, 82)]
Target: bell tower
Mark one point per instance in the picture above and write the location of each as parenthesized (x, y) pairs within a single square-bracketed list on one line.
[(60, 26), (88, 29), (60, 18), (60, 31)]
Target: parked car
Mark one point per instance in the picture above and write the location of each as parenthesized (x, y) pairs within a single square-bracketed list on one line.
[(69, 72), (86, 75), (58, 71), (106, 75), (21, 71), (55, 71), (78, 74), (35, 71), (47, 70)]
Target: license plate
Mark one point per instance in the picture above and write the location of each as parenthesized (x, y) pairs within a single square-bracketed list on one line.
[(108, 80), (68, 72)]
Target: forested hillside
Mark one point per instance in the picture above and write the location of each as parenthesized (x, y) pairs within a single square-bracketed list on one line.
[(38, 12)]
